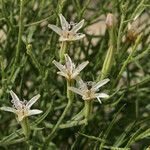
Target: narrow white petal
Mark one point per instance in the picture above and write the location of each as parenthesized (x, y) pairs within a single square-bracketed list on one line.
[(59, 66), (34, 112), (32, 101), (65, 25), (15, 100), (69, 64), (99, 84), (9, 109), (99, 100), (75, 90), (79, 68), (81, 84), (101, 95), (78, 26), (62, 74), (79, 36), (14, 96), (56, 29)]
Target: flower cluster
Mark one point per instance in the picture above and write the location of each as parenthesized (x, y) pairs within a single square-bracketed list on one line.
[(88, 90), (68, 32)]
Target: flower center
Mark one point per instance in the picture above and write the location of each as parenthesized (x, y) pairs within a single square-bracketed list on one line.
[(89, 95), (68, 34)]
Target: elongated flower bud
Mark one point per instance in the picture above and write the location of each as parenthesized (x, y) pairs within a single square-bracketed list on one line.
[(132, 32), (110, 20)]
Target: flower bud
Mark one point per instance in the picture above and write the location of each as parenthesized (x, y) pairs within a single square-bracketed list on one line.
[(110, 20), (132, 33)]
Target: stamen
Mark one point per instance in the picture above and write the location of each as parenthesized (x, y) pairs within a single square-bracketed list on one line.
[(12, 101), (89, 84)]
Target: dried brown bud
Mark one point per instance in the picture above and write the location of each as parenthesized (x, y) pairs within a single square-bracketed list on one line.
[(110, 20), (132, 33)]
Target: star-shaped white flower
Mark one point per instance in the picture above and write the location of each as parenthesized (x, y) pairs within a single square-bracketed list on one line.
[(69, 71), (22, 108), (89, 90), (68, 32)]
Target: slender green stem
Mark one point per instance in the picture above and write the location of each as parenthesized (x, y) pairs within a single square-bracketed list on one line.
[(78, 116), (63, 51), (21, 26), (137, 108), (129, 57), (35, 61), (87, 109), (25, 127), (4, 12), (70, 94), (120, 32), (69, 124), (144, 53), (50, 137), (67, 108)]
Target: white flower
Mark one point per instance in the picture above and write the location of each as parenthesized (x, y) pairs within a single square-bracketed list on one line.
[(68, 31), (69, 71), (89, 90), (22, 108)]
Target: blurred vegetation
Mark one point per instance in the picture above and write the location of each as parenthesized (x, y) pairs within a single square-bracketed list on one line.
[(27, 48)]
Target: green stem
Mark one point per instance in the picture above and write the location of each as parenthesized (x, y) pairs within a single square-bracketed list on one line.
[(63, 51), (130, 56), (120, 32), (70, 95), (33, 58), (137, 108), (25, 127), (21, 26), (69, 124), (87, 109), (78, 116), (67, 108)]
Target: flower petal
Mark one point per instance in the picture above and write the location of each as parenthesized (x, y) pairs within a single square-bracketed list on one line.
[(56, 29), (69, 64), (60, 66), (32, 101), (101, 95), (9, 109), (99, 100), (79, 68), (65, 25), (82, 85), (99, 84), (15, 100), (75, 90), (34, 112), (62, 74), (78, 26), (79, 36)]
